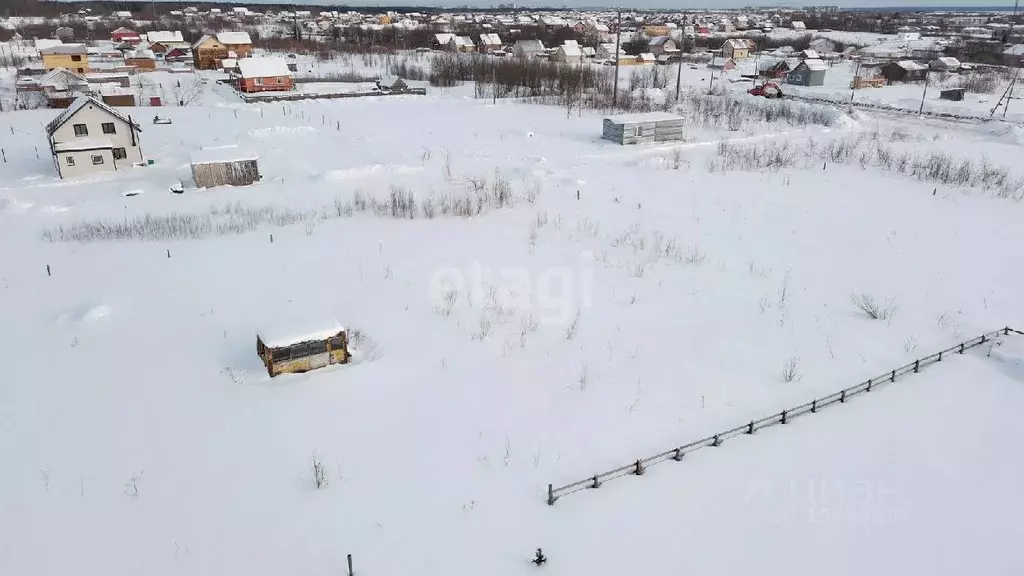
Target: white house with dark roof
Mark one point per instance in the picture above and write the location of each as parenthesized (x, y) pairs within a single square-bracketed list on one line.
[(90, 137)]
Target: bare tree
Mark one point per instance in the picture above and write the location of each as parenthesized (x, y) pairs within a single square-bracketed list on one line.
[(188, 92)]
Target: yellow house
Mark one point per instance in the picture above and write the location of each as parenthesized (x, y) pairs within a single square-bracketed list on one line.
[(73, 57), (384, 19)]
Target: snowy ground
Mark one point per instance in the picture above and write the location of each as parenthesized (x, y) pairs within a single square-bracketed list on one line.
[(140, 432)]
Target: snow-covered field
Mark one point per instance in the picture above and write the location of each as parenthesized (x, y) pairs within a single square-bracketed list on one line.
[(619, 302)]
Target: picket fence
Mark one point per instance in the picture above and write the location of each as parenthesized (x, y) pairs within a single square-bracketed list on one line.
[(676, 454)]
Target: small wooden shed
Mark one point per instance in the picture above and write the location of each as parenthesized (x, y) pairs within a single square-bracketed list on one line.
[(955, 94), (224, 166), (643, 128)]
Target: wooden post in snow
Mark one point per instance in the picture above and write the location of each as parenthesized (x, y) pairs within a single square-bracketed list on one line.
[(349, 565)]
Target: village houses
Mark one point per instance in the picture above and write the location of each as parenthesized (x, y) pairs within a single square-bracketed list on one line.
[(89, 137)]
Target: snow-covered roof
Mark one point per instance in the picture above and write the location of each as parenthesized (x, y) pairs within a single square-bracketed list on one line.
[(462, 41), (78, 104), (141, 54), (647, 57), (287, 334), (443, 37), (221, 155), (949, 61), (65, 49), (263, 67), (659, 40), (571, 50), (164, 36), (83, 144), (490, 39), (810, 54), (815, 64), (530, 45), (234, 38), (1015, 50), (642, 117), (910, 65), (60, 76), (47, 43), (229, 63)]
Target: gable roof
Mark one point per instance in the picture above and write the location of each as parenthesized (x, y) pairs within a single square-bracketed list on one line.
[(64, 49), (165, 36), (490, 39), (815, 64), (234, 38), (910, 65), (263, 67), (530, 46), (462, 41), (659, 40), (571, 50), (201, 41), (76, 107), (61, 76), (443, 37)]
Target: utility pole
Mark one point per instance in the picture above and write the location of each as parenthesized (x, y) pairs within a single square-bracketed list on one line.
[(757, 58), (618, 38), (853, 85), (679, 74), (921, 109)]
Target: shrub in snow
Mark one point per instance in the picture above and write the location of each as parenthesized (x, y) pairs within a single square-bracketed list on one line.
[(868, 306)]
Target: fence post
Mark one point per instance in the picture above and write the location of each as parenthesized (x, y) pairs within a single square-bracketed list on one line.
[(715, 442), (750, 427), (982, 338), (639, 471), (596, 483), (814, 406), (961, 347), (678, 455), (1006, 331), (917, 365), (48, 270), (350, 565), (940, 356), (892, 378), (842, 397), (869, 385), (551, 496), (783, 416)]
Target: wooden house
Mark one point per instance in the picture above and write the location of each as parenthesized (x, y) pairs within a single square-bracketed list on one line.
[(461, 44), (123, 34), (663, 45), (74, 57), (529, 49), (736, 49), (208, 51), (302, 349), (264, 75), (809, 72), (490, 43), (142, 60), (568, 53), (903, 71), (720, 63), (945, 64), (643, 128), (90, 136), (224, 166)]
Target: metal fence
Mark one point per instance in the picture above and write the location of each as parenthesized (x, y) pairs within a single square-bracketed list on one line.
[(676, 454)]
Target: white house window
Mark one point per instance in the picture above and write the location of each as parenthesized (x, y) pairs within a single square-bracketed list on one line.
[(280, 80), (119, 154), (259, 81), (70, 161), (108, 128), (81, 130), (97, 159)]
